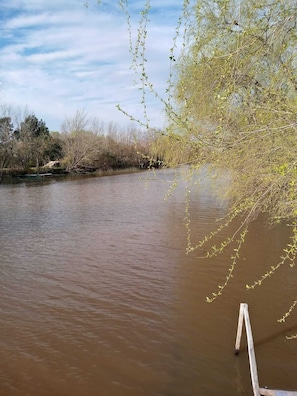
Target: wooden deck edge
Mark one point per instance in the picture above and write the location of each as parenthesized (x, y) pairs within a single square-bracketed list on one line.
[(275, 392)]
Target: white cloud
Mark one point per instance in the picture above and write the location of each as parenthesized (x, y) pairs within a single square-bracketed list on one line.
[(57, 58)]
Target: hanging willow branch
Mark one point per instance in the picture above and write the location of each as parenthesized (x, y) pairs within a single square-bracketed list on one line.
[(231, 106)]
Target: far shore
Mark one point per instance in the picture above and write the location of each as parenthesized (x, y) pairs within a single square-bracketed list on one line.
[(14, 176)]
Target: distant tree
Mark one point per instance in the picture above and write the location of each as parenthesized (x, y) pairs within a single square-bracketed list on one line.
[(76, 123), (33, 137), (6, 142), (125, 148), (81, 145), (55, 147)]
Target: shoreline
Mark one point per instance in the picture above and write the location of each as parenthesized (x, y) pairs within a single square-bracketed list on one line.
[(17, 176)]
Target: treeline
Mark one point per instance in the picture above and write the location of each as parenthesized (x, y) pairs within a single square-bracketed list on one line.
[(83, 145)]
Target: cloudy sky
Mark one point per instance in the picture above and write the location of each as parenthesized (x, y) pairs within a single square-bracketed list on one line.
[(59, 56)]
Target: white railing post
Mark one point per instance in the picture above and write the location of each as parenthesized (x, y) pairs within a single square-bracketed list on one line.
[(244, 317), (244, 314)]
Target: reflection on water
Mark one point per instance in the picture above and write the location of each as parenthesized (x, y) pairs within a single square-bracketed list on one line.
[(98, 297)]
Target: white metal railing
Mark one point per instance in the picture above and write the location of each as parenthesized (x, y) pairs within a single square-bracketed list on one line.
[(244, 317)]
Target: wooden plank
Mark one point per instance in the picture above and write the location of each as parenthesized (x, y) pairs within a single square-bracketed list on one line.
[(244, 314), (275, 392), (239, 328), (251, 351)]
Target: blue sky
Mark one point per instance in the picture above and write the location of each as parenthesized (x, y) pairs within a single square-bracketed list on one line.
[(58, 56)]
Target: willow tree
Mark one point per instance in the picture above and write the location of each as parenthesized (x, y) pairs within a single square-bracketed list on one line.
[(232, 106), (236, 111)]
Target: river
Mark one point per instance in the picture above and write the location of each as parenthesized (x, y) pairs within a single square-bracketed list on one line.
[(98, 297)]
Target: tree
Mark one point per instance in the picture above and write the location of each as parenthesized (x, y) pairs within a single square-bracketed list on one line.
[(231, 108), (128, 148), (54, 150), (6, 142), (235, 111), (80, 144), (33, 137)]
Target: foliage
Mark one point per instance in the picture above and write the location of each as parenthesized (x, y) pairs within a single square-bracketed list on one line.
[(32, 138), (6, 141), (231, 107), (78, 143), (54, 150), (85, 144), (236, 96)]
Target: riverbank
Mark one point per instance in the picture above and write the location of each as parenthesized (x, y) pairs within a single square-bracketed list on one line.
[(15, 176)]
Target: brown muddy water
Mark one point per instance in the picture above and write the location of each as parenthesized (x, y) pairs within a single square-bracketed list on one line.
[(98, 297)]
